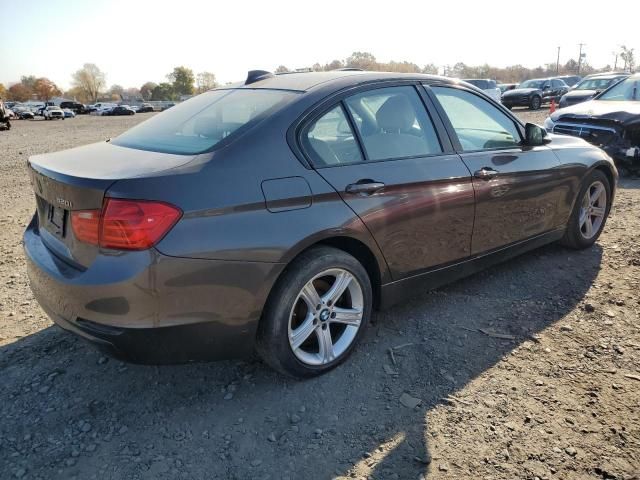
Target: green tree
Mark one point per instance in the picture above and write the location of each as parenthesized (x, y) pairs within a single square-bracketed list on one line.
[(3, 91), (146, 90), (77, 94), (164, 91), (45, 89), (19, 92), (430, 68), (116, 90), (333, 65), (182, 80), (363, 60), (206, 81), (628, 58), (91, 80), (28, 81)]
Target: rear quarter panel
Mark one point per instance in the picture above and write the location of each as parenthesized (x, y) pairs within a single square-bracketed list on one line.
[(225, 213)]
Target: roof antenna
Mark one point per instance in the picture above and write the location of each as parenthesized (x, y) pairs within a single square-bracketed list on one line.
[(257, 75)]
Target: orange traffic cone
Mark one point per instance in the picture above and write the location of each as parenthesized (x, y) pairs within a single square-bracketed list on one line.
[(552, 108)]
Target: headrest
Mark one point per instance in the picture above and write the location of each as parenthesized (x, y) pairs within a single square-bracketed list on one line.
[(396, 114), (208, 127)]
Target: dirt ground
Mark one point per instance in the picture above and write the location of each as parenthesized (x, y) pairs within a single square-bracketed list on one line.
[(529, 370)]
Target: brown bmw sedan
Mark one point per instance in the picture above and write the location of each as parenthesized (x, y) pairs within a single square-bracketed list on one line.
[(276, 214)]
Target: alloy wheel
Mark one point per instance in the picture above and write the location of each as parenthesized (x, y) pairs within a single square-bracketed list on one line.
[(593, 210), (326, 317)]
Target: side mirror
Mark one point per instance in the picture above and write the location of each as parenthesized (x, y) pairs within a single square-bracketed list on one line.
[(546, 87), (534, 135)]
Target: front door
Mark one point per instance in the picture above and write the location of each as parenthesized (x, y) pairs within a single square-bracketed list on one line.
[(380, 151), (518, 188)]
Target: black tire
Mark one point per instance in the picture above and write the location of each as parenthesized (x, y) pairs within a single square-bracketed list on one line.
[(573, 237), (272, 342), (535, 103)]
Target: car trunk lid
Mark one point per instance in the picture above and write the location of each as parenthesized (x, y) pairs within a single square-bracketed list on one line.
[(79, 179)]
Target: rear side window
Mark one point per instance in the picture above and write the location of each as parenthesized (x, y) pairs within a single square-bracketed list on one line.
[(330, 140), (478, 124), (393, 123), (200, 123)]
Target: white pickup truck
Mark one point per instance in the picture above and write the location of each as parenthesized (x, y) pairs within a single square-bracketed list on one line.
[(52, 111)]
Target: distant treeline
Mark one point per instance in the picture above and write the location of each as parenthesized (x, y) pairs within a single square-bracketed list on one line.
[(89, 83)]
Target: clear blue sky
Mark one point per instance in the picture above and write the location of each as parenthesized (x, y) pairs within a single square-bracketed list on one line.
[(134, 41)]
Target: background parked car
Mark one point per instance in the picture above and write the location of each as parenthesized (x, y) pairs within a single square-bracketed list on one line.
[(506, 86), (589, 87), (533, 93), (145, 108), (120, 110), (490, 87), (570, 80), (24, 113), (611, 121), (74, 107), (52, 112), (68, 113)]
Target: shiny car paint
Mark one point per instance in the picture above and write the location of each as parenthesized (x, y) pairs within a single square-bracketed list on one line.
[(252, 207)]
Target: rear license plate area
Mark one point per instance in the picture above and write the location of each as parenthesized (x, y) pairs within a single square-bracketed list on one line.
[(56, 220)]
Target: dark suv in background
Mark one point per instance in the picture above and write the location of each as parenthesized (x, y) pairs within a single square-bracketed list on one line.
[(533, 93), (74, 107)]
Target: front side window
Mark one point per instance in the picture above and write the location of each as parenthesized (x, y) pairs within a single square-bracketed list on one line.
[(330, 141), (200, 123), (478, 124), (393, 123)]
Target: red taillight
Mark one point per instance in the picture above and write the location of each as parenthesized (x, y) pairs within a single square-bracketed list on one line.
[(86, 225), (125, 224)]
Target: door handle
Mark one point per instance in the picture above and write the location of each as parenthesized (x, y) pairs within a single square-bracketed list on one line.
[(366, 187), (485, 173)]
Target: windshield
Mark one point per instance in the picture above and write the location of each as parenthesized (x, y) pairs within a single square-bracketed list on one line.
[(198, 124), (596, 83), (628, 89), (532, 84)]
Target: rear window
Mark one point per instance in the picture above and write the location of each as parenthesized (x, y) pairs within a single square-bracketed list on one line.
[(200, 123), (481, 84)]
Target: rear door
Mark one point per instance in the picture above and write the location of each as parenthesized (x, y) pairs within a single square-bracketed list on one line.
[(381, 151), (518, 188)]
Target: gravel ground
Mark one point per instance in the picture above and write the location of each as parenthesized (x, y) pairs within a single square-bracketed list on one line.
[(528, 370)]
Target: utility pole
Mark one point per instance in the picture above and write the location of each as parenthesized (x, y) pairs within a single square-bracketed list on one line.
[(580, 57), (615, 64), (558, 63)]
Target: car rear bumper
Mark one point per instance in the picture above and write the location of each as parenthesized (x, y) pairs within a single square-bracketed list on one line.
[(515, 102), (146, 307)]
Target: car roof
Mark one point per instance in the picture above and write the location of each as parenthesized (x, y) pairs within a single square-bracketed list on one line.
[(305, 81), (607, 75)]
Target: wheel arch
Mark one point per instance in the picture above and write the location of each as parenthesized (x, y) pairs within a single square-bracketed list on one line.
[(373, 262)]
